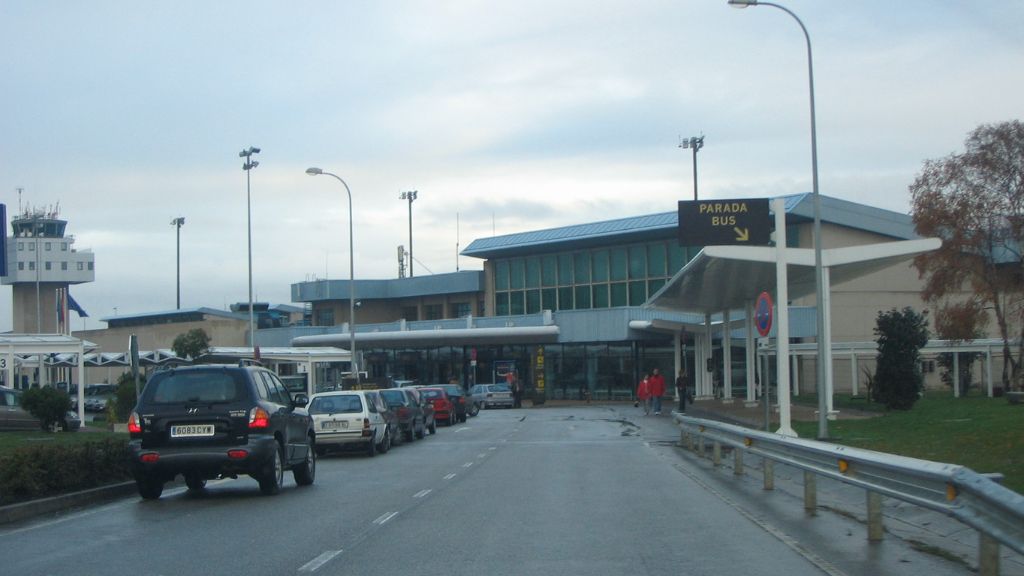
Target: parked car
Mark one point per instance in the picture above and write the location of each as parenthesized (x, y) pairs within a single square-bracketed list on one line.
[(491, 395), (429, 421), (389, 415), (349, 419), (216, 421), (407, 408), (444, 406), (14, 417), (463, 406), (97, 396)]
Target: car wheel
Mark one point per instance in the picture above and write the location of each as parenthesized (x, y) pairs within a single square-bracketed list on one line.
[(411, 434), (385, 444), (474, 410), (273, 475), (305, 473), (433, 427), (371, 447), (150, 488), (422, 431), (195, 482)]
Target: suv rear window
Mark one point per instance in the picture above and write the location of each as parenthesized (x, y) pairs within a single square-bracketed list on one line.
[(202, 387), (394, 397)]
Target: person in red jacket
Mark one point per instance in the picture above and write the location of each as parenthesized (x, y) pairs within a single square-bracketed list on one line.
[(656, 385), (643, 394)]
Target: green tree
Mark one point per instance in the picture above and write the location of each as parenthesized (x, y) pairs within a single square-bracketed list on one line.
[(48, 404), (898, 379), (125, 398), (974, 201), (191, 344)]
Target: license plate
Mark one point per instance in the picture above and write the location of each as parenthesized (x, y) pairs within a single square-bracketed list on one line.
[(333, 425), (192, 431)]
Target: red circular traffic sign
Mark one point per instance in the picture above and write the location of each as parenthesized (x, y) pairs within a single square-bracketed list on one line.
[(763, 314)]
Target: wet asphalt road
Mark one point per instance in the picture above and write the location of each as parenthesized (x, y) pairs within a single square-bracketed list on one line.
[(582, 490)]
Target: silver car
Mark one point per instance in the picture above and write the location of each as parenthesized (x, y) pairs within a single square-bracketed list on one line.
[(491, 395), (350, 419)]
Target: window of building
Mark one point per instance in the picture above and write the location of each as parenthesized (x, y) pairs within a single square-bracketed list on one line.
[(63, 265), (582, 296), (637, 293), (501, 304), (325, 317), (549, 299), (618, 291), (48, 246), (49, 265), (501, 275), (532, 301), (549, 270), (90, 265), (81, 266), (564, 269), (21, 246), (637, 262), (31, 265), (410, 313), (21, 265), (655, 285), (516, 303), (618, 264), (581, 267), (565, 298), (63, 246), (32, 247), (599, 295), (656, 259), (533, 272), (517, 272), (599, 271), (433, 312), (460, 309), (676, 257)]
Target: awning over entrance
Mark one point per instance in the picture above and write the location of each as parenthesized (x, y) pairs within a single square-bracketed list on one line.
[(449, 337)]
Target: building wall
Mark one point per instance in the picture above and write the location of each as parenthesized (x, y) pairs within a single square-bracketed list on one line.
[(24, 308)]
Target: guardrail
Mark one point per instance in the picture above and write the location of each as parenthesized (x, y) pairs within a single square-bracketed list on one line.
[(977, 500)]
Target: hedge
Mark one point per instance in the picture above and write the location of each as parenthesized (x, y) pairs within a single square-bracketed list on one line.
[(43, 470)]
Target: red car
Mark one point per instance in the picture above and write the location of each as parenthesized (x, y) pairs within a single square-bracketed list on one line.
[(444, 407)]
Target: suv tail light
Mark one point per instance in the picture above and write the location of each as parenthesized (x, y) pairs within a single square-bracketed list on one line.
[(366, 427), (258, 418), (134, 425)]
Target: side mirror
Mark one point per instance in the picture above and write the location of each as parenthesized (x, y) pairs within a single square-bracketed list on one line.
[(300, 400)]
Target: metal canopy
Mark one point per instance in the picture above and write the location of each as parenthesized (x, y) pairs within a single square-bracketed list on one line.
[(723, 278)]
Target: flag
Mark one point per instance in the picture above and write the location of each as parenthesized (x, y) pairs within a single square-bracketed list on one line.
[(72, 305)]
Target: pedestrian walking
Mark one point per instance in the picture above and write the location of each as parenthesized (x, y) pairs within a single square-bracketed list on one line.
[(656, 385), (681, 390), (643, 394)]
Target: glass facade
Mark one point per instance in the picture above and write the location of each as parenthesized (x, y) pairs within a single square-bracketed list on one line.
[(585, 279)]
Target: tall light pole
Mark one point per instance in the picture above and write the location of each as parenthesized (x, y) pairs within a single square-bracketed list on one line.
[(824, 353), (248, 166), (410, 196), (351, 273), (178, 223), (695, 143)]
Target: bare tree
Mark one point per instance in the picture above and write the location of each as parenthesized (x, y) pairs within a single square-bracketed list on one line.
[(974, 201)]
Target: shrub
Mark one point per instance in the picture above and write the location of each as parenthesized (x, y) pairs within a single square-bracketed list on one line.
[(125, 399), (898, 379), (47, 404), (42, 470)]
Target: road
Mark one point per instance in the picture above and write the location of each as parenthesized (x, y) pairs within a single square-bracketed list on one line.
[(582, 490)]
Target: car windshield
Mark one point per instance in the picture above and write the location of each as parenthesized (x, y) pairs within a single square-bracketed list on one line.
[(453, 390), (203, 387), (432, 393), (336, 404), (500, 388), (393, 397)]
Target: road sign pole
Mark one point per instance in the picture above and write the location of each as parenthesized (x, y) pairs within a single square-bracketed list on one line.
[(782, 331)]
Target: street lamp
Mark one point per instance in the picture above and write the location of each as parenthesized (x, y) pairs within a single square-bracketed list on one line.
[(824, 352), (248, 166), (178, 223), (695, 144), (351, 273), (410, 196)]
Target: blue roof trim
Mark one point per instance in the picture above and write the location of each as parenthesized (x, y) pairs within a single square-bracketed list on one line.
[(417, 286), (182, 312), (833, 210)]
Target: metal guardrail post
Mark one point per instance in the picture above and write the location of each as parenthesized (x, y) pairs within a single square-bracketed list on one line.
[(876, 531), (737, 462), (810, 492), (700, 445), (988, 555), (769, 474), (716, 453)]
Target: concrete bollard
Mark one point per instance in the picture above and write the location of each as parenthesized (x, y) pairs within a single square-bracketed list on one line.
[(700, 445), (876, 531), (769, 474), (716, 453), (810, 493), (737, 461)]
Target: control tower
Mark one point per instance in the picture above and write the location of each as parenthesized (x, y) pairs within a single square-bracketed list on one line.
[(41, 263)]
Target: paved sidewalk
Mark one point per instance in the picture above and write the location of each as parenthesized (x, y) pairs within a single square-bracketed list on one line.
[(921, 528)]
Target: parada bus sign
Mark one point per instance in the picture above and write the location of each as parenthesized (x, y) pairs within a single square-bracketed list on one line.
[(724, 222)]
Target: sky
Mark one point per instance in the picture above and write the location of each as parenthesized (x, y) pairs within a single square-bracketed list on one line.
[(504, 117)]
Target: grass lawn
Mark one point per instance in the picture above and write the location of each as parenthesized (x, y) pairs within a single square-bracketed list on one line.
[(983, 434), (9, 441)]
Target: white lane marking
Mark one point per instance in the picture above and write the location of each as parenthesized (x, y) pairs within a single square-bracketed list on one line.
[(449, 477), (422, 493), (467, 464), (493, 448), (315, 564), (383, 519), (462, 430), (482, 455)]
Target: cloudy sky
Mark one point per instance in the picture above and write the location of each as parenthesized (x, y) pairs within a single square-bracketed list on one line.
[(505, 117)]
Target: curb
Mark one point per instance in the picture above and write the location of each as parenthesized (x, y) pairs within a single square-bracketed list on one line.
[(33, 508)]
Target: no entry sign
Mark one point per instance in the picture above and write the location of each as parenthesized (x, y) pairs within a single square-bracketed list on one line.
[(763, 314)]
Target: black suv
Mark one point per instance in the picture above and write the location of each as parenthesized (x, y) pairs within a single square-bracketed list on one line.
[(214, 421)]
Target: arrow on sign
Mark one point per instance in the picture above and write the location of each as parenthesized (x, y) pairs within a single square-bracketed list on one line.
[(742, 234)]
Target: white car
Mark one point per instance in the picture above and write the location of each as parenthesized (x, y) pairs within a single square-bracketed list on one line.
[(491, 395), (347, 419)]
